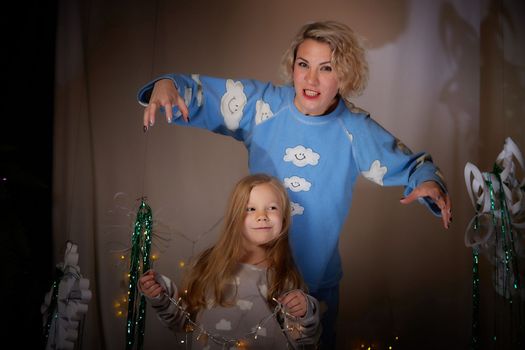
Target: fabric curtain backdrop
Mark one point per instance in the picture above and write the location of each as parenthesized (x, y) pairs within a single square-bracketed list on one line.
[(404, 275)]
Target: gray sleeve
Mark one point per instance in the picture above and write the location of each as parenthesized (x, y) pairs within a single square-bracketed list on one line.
[(168, 313), (309, 327)]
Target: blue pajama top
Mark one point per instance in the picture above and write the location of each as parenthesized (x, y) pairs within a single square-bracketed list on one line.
[(318, 159)]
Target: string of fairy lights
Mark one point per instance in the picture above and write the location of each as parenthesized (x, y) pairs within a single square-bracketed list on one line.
[(241, 342)]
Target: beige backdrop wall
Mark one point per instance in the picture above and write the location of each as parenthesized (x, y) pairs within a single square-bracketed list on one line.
[(404, 275)]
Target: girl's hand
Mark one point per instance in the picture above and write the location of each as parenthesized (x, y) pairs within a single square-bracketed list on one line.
[(433, 190), (166, 95), (148, 285), (295, 303)]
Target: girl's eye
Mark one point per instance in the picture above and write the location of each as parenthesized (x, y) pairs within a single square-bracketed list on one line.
[(273, 208), (250, 209)]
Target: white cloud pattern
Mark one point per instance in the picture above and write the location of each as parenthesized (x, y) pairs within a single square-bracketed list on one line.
[(297, 184), (422, 159), (301, 156), (187, 96), (263, 289), (232, 104), (196, 78), (244, 304), (376, 172), (403, 147), (297, 209), (262, 111), (223, 325), (350, 136)]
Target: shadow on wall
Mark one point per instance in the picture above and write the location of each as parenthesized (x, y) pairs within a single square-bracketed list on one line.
[(461, 45), (502, 102), (389, 20)]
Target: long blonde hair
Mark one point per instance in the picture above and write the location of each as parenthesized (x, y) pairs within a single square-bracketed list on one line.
[(216, 266), (348, 55)]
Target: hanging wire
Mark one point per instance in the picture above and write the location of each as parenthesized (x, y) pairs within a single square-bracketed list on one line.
[(140, 245), (152, 70)]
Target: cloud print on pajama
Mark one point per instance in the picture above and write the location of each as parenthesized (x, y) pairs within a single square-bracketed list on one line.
[(232, 104), (232, 107)]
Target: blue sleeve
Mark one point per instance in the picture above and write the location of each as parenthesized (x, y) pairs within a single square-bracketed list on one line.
[(223, 106), (385, 160)]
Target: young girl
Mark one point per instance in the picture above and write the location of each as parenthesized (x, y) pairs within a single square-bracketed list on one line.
[(234, 292), (311, 137)]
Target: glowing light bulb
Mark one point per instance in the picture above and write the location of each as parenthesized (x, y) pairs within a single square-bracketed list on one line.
[(182, 264), (122, 257)]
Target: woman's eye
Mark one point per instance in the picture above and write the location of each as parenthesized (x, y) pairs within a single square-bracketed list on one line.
[(326, 68), (302, 64)]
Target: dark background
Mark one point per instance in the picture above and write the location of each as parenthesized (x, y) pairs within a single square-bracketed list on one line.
[(27, 268)]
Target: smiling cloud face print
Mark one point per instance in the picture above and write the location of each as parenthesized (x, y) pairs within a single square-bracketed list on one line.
[(297, 184), (262, 111), (232, 104), (301, 156)]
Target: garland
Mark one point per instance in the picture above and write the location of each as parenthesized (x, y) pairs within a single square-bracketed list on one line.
[(496, 231), (139, 262)]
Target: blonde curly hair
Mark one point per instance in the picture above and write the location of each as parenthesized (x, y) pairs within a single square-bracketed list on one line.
[(348, 55)]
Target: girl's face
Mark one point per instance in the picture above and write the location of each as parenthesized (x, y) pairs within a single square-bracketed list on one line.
[(264, 217), (315, 81)]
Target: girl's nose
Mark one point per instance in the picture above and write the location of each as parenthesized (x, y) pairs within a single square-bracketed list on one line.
[(262, 217)]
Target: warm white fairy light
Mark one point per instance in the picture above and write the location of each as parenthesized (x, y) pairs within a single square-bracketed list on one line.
[(240, 343)]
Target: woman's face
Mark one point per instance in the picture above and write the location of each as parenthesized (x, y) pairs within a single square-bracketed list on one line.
[(315, 80)]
